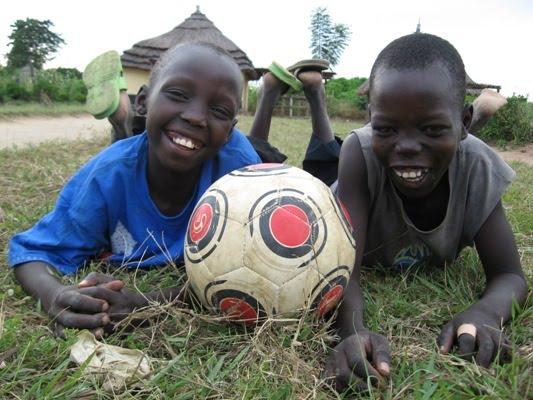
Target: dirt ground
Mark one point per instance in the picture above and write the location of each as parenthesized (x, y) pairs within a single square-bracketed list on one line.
[(25, 131)]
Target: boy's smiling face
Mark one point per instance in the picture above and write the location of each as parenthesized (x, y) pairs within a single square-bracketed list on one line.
[(191, 108), (417, 124)]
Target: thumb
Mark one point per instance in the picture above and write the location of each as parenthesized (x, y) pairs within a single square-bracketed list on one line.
[(380, 354), (445, 338)]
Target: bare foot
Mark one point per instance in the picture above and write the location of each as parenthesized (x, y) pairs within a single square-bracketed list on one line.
[(272, 86), (314, 88)]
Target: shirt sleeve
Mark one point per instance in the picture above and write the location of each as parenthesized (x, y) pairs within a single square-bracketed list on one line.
[(73, 232)]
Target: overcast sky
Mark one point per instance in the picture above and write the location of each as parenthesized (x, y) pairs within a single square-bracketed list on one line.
[(494, 37)]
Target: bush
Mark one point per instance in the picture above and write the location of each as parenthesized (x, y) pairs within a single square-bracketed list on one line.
[(14, 91), (59, 85), (512, 123), (343, 101)]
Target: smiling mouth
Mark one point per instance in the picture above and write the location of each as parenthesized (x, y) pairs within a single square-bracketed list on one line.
[(186, 142), (411, 174)]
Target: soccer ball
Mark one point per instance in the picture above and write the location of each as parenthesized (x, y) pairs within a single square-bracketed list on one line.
[(269, 241)]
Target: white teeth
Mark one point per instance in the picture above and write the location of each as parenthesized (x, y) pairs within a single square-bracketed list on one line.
[(185, 143), (412, 175)]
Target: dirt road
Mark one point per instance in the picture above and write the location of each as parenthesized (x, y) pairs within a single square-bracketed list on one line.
[(33, 130)]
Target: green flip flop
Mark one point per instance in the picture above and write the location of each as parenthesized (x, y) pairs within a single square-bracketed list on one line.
[(285, 76), (104, 80)]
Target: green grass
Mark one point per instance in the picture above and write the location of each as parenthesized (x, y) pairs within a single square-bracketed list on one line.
[(23, 109), (197, 356)]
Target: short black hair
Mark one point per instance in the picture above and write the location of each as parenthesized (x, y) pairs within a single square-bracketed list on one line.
[(420, 50), (165, 58)]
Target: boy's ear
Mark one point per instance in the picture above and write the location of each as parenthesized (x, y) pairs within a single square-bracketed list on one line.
[(141, 100), (466, 119)]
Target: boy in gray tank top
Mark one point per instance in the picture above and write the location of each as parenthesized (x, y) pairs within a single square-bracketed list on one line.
[(419, 189)]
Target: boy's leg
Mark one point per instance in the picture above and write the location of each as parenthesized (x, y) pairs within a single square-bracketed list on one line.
[(106, 93), (315, 92), (122, 118), (322, 155), (267, 97)]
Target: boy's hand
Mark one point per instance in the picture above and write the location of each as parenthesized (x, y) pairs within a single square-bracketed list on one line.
[(477, 337), (69, 307), (348, 363), (122, 301), (107, 281)]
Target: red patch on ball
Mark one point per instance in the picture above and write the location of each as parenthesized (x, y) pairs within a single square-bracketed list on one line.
[(238, 309), (201, 222), (263, 166), (330, 300), (290, 226)]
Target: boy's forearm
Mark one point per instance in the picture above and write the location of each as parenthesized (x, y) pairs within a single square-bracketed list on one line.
[(350, 315), (500, 294), (38, 280)]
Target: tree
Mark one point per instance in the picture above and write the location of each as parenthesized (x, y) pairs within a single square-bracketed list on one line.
[(328, 40), (32, 42)]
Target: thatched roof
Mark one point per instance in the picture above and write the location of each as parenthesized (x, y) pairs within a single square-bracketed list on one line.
[(195, 28)]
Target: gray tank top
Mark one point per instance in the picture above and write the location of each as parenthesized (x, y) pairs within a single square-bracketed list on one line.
[(478, 177)]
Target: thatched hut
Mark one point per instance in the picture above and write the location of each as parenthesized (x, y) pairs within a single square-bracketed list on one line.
[(137, 61)]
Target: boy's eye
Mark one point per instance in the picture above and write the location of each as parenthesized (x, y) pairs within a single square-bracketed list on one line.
[(221, 112), (383, 130), (433, 130), (177, 94)]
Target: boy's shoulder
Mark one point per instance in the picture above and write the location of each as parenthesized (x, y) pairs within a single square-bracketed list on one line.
[(122, 157), (125, 149), (475, 154)]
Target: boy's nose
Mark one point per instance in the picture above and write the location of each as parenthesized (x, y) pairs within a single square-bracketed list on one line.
[(407, 144), (195, 114)]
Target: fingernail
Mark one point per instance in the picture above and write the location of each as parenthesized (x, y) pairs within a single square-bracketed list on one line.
[(384, 367)]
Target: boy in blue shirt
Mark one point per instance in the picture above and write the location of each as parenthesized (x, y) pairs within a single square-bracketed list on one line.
[(131, 203)]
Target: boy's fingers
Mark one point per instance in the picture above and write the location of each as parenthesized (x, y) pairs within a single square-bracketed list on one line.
[(101, 293), (380, 354), (446, 338), (95, 278), (77, 301), (116, 285), (485, 350), (467, 345), (59, 330), (68, 319)]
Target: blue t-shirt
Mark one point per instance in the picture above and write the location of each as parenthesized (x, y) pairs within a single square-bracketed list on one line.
[(105, 210)]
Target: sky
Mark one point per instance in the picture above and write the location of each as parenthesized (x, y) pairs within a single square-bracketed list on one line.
[(493, 36)]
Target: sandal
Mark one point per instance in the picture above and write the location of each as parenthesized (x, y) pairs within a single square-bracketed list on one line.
[(104, 80)]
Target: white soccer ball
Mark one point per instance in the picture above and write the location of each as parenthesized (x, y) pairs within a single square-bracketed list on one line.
[(269, 241)]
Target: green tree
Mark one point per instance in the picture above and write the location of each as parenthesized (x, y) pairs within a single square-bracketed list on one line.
[(328, 40), (32, 41)]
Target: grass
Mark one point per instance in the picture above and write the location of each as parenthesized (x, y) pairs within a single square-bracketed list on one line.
[(23, 109), (198, 356)]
